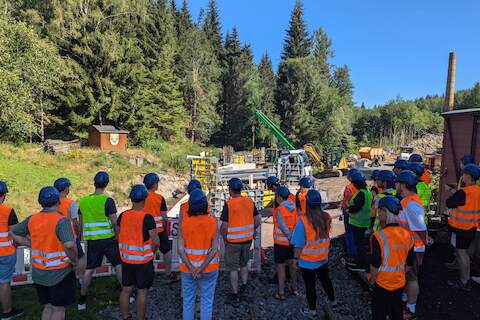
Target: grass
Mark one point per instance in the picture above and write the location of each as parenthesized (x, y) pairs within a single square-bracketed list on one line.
[(103, 293)]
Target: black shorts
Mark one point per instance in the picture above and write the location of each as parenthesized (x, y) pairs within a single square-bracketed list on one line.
[(97, 249), (80, 251), (60, 295), (461, 239), (282, 253), (165, 243), (139, 276)]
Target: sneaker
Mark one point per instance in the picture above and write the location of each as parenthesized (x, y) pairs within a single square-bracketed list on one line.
[(356, 268), (311, 314), (476, 280), (12, 314), (408, 315), (350, 261), (460, 285), (452, 265)]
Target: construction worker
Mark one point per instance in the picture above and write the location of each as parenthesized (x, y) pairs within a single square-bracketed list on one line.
[(386, 181), (156, 205), (423, 190), (348, 193), (463, 222), (311, 238), (8, 257), (465, 160), (192, 185), (375, 189), (426, 175), (54, 254), (240, 219), (198, 249), (98, 214), (284, 220), (305, 184), (359, 219), (137, 242), (392, 255), (412, 218), (399, 166)]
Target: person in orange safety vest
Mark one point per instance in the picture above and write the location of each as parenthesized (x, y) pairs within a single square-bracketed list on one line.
[(137, 242), (392, 255), (240, 219), (305, 184)]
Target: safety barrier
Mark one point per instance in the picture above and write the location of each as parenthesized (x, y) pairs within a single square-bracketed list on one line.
[(23, 266)]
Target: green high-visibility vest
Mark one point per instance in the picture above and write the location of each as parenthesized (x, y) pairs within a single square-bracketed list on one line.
[(96, 225), (362, 218), (387, 192), (424, 193)]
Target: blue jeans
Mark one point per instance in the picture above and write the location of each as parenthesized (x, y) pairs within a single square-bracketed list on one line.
[(349, 241), (7, 268), (206, 284)]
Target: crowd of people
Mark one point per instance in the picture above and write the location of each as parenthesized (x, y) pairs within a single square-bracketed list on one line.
[(390, 213)]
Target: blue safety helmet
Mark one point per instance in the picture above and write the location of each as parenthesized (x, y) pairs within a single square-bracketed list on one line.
[(314, 199), (391, 204), (305, 182), (101, 179), (467, 159), (193, 184), (61, 184), (282, 192), (197, 200), (150, 179), (138, 193), (352, 171), (401, 164), (417, 167), (386, 175), (415, 158), (3, 187), (48, 196), (235, 184), (273, 181), (357, 176), (374, 174), (408, 177), (472, 170)]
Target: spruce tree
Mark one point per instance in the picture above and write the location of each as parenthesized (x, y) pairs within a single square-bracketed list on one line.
[(267, 96), (213, 28), (297, 43), (322, 51)]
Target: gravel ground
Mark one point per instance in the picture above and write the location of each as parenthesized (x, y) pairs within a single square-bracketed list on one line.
[(352, 301)]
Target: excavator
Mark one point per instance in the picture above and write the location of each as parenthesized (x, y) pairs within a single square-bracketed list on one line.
[(332, 164)]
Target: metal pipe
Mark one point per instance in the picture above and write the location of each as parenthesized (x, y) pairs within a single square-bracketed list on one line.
[(450, 90)]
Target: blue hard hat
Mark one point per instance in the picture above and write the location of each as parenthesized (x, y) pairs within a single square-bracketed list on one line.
[(467, 159), (197, 200), (48, 196), (150, 179), (101, 178), (357, 176), (235, 184), (273, 181), (283, 192), (386, 175), (305, 182), (390, 203), (138, 193), (352, 171), (417, 167), (408, 177), (3, 187), (415, 158), (472, 170), (400, 163), (374, 174), (62, 184), (193, 184), (314, 199)]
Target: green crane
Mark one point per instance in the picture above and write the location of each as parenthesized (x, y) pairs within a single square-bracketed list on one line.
[(277, 132)]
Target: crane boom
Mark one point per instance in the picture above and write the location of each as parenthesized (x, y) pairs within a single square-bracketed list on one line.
[(277, 132)]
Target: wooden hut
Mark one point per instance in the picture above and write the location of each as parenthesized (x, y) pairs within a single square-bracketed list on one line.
[(108, 138)]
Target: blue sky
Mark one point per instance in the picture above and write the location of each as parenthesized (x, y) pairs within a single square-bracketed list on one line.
[(392, 47)]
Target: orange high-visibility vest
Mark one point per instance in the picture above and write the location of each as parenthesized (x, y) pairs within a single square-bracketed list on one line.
[(153, 206), (48, 252), (302, 200), (240, 219), (6, 241), (426, 177), (184, 211), (418, 242), (467, 217), (287, 218), (352, 190), (395, 243), (315, 249), (64, 207), (133, 249), (198, 232)]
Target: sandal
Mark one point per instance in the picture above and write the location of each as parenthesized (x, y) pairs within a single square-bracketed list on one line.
[(279, 296)]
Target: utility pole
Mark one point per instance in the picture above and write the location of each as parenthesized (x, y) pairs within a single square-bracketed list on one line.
[(253, 136)]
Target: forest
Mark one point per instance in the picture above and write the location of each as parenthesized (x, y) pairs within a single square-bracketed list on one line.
[(148, 67)]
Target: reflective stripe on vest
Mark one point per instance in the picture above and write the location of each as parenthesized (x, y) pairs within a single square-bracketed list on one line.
[(240, 219), (467, 217), (315, 250), (131, 244), (96, 225), (198, 232), (6, 241), (153, 206), (395, 243), (362, 218), (48, 252), (283, 219), (418, 242)]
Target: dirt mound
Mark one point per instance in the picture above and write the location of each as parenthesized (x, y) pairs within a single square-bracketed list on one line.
[(427, 144)]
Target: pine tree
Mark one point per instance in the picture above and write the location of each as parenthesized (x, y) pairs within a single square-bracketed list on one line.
[(298, 43), (212, 27)]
